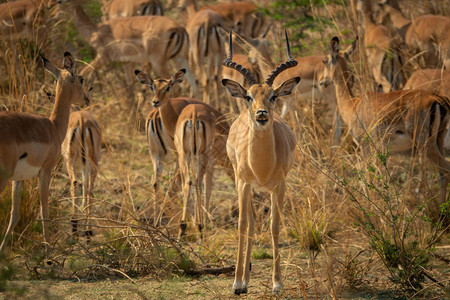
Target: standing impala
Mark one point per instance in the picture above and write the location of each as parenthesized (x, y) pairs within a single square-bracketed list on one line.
[(206, 47), (382, 61), (408, 121), (30, 145), (194, 143), (81, 150), (161, 125), (261, 148)]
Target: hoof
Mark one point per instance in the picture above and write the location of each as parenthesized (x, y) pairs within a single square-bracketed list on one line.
[(276, 289), (244, 290), (238, 288), (237, 291)]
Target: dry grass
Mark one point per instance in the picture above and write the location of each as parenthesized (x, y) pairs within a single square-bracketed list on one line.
[(324, 255)]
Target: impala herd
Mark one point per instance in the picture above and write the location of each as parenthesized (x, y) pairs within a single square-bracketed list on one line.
[(258, 149)]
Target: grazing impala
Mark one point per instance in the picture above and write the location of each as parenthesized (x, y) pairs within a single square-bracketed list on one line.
[(161, 127), (261, 148), (242, 16), (30, 145), (119, 8), (427, 35), (378, 44), (140, 40), (407, 121), (81, 150), (21, 19), (194, 143)]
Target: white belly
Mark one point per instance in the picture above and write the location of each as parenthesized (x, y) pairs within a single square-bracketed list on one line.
[(25, 171)]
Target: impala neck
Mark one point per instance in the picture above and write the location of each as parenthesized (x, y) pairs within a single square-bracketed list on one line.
[(191, 9), (345, 100), (169, 117), (261, 150), (82, 22), (61, 111)]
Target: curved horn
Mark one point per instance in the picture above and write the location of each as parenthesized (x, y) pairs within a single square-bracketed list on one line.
[(288, 64), (228, 62)]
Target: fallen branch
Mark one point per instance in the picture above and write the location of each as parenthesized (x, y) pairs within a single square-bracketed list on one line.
[(210, 271)]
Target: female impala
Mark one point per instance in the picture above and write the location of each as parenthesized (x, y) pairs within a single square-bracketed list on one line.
[(408, 121), (81, 150), (261, 148), (194, 142), (30, 145), (161, 124)]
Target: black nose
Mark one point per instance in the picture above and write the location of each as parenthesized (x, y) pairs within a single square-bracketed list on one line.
[(155, 103), (261, 112)]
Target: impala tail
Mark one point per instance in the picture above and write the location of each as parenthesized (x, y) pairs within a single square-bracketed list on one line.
[(177, 40), (439, 118)]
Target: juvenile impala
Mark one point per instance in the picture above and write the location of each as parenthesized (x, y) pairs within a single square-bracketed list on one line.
[(30, 145), (81, 150), (261, 148), (408, 121)]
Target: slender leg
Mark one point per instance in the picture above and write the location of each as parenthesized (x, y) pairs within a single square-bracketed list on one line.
[(277, 201), (74, 221), (185, 178), (198, 217), (44, 182), (375, 62), (15, 211), (250, 237), (243, 192), (208, 185), (88, 207), (73, 187), (157, 169)]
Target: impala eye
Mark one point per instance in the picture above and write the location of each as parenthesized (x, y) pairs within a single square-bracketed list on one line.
[(273, 98), (248, 98), (167, 89)]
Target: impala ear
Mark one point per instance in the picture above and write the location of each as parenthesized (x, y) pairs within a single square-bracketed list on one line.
[(334, 47), (143, 77), (69, 63), (286, 87), (234, 88), (350, 49), (178, 76), (50, 67)]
